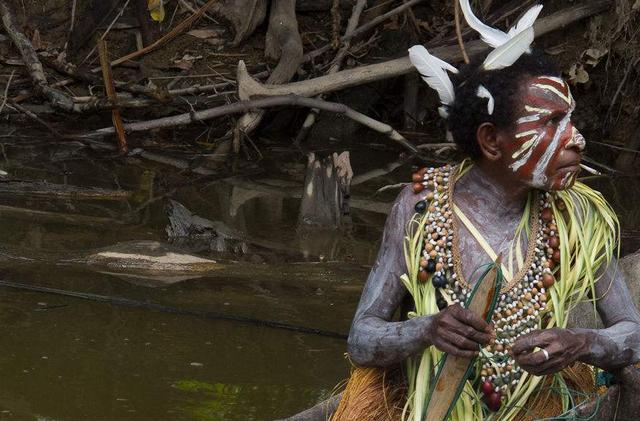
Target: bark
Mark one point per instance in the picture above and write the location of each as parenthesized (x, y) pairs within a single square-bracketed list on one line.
[(325, 201)]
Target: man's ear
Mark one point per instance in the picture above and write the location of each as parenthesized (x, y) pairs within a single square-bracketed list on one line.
[(487, 137)]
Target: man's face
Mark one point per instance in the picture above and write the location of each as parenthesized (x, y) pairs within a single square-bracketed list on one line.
[(546, 149)]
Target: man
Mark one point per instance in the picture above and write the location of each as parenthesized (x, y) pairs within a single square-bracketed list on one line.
[(517, 197)]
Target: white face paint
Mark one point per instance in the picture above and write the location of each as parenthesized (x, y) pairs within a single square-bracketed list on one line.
[(543, 132)]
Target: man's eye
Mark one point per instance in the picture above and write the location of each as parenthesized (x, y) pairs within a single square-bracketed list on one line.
[(555, 120)]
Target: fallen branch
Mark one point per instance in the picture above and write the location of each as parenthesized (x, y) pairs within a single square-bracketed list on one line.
[(246, 106), (249, 88)]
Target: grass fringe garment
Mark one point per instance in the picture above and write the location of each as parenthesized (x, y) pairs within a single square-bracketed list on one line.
[(588, 231)]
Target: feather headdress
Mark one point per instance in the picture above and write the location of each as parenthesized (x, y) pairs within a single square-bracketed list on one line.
[(434, 72), (495, 37)]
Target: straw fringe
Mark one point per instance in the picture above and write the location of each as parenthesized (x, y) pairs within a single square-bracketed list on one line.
[(371, 395)]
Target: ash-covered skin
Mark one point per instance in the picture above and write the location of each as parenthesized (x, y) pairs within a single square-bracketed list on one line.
[(551, 147)]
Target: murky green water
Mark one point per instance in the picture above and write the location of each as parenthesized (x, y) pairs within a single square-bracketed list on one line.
[(64, 358)]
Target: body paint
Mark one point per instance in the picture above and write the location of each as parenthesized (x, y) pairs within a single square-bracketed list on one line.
[(539, 139)]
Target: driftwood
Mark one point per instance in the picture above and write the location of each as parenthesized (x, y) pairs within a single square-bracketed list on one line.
[(57, 217), (250, 88), (244, 106)]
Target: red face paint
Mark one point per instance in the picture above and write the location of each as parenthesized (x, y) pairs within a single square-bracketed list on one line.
[(546, 149)]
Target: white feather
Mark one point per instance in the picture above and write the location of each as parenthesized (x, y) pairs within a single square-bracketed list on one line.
[(492, 36), (507, 54), (433, 71), (527, 20), (484, 93)]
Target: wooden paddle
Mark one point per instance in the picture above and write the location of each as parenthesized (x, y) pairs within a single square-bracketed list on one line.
[(454, 370)]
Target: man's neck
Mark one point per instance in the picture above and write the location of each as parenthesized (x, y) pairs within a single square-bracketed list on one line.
[(508, 197)]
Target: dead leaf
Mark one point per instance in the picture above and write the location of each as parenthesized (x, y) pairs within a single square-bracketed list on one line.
[(156, 9), (203, 33), (577, 74), (186, 62), (592, 56)]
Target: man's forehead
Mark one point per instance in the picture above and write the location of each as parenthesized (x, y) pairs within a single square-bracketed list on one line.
[(548, 92)]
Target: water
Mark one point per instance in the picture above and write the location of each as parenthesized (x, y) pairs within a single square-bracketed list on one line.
[(65, 358)]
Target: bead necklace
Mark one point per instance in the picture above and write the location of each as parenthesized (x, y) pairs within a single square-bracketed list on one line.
[(523, 299)]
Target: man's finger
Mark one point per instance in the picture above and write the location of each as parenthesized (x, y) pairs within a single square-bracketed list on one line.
[(470, 332), (528, 342), (533, 359), (452, 350), (470, 318), (459, 341)]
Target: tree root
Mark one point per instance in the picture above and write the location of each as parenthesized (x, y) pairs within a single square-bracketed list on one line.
[(244, 16), (283, 43)]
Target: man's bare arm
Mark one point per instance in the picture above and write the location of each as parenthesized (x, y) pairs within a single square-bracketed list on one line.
[(376, 341), (618, 344)]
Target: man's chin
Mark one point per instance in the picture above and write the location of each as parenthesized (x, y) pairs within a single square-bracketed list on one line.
[(562, 180)]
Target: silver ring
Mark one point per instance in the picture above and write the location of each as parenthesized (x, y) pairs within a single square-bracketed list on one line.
[(546, 354)]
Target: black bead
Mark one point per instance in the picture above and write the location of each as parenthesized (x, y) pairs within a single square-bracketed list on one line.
[(421, 206), (439, 281), (441, 303), (431, 266)]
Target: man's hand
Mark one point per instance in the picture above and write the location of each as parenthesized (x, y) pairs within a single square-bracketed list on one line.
[(458, 331), (563, 347)]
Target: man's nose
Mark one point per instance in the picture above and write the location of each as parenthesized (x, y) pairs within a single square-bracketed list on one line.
[(576, 140)]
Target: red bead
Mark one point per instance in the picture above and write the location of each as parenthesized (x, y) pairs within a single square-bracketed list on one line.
[(547, 214), (561, 205), (423, 275), (548, 280), (417, 187), (554, 242), (417, 177), (487, 388), (494, 401), (556, 255)]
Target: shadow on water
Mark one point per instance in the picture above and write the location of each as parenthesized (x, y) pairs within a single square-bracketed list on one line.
[(65, 358)]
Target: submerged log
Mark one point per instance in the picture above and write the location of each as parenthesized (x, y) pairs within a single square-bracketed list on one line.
[(60, 191), (325, 201)]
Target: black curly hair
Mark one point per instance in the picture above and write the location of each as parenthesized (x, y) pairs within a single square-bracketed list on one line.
[(469, 111)]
